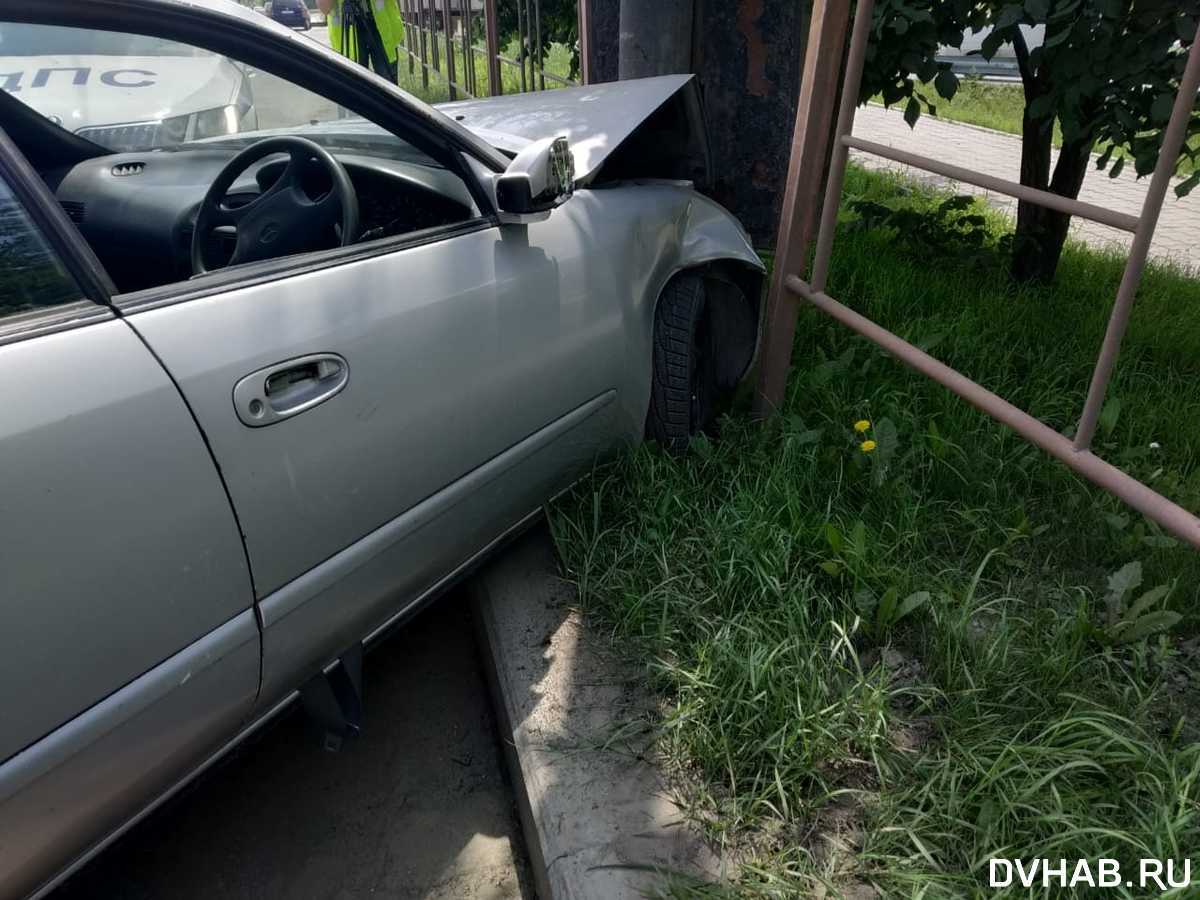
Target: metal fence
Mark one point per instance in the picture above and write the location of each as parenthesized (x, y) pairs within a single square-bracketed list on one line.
[(803, 198), (458, 43)]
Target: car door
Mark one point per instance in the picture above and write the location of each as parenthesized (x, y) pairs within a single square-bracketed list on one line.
[(128, 646), (465, 380)]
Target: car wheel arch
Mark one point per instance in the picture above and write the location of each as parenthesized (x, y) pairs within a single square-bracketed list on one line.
[(734, 304)]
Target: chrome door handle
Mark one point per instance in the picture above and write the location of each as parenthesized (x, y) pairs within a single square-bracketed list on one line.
[(289, 388)]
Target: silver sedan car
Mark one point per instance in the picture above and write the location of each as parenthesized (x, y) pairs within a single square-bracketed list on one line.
[(274, 381)]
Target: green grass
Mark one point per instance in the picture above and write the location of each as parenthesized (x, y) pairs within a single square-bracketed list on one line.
[(437, 90), (755, 574), (998, 106)]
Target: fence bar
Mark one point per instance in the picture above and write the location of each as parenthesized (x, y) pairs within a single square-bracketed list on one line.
[(811, 140), (841, 153), (1168, 156), (585, 23), (467, 43), (1099, 214), (407, 50), (1153, 505), (433, 38), (447, 25), (537, 44), (522, 17), (492, 39), (424, 48)]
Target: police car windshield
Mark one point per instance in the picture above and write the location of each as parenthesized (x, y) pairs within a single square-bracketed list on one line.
[(19, 39)]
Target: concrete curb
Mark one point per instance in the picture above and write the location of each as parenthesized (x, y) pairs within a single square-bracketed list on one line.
[(595, 813)]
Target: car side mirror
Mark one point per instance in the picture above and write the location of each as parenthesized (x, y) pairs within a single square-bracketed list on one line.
[(540, 178)]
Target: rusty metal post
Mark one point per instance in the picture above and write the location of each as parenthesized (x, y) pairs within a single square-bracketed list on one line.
[(1168, 156), (855, 61), (450, 73), (408, 35), (811, 142), (423, 47), (433, 38), (585, 24), (492, 40), (537, 44), (521, 42), (468, 53)]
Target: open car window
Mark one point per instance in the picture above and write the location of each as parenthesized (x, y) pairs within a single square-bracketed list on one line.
[(168, 123)]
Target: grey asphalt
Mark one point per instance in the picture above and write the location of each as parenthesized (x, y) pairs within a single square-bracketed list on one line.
[(417, 807)]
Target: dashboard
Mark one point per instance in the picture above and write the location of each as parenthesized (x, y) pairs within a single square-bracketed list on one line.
[(138, 210)]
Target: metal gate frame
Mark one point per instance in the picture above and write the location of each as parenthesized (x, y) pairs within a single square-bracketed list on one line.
[(421, 29), (810, 147)]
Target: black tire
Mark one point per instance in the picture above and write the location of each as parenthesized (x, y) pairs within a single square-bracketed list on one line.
[(682, 387)]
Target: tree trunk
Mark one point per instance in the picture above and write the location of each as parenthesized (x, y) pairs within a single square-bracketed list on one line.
[(1041, 233)]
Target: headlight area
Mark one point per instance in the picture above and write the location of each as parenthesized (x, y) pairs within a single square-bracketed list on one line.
[(170, 132)]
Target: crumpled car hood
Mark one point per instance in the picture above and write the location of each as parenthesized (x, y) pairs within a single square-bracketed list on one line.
[(597, 119)]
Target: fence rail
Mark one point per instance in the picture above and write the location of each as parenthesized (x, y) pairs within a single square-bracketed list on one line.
[(804, 196), (442, 36)]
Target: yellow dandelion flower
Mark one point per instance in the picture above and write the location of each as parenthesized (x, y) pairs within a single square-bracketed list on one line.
[(862, 425), (867, 446)]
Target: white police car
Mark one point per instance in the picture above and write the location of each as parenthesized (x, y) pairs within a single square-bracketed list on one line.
[(179, 93)]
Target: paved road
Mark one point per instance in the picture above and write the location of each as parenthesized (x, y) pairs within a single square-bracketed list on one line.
[(417, 807), (999, 154)]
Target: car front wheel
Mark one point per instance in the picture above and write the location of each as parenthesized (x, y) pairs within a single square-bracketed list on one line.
[(683, 390)]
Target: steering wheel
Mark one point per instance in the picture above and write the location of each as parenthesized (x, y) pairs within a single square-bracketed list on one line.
[(283, 219)]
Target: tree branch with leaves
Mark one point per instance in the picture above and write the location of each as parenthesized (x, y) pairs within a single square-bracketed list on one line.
[(1107, 74)]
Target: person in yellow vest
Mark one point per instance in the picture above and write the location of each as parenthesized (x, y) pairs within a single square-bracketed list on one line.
[(366, 31)]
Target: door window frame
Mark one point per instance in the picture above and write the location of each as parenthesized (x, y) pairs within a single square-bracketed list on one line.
[(302, 62), (68, 246)]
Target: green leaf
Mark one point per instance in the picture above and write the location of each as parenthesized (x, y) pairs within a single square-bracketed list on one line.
[(1160, 109), (1117, 167), (831, 567), (1182, 190), (887, 608), (1147, 601), (833, 537), (858, 539), (1159, 541), (1037, 9), (1009, 16), (946, 83), (1059, 36), (911, 603), (1117, 522), (912, 112), (1120, 583), (995, 39), (1109, 415), (900, 25), (1148, 625)]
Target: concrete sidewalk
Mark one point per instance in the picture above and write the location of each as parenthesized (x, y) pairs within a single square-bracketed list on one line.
[(999, 154), (596, 809)]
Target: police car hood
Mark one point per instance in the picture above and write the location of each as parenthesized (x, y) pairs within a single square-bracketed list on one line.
[(87, 91)]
